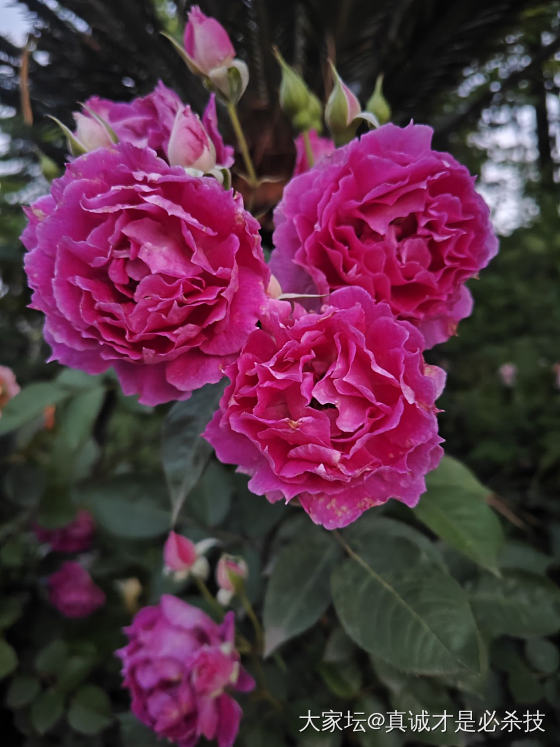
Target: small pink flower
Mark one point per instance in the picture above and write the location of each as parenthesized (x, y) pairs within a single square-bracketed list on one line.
[(189, 143), (334, 408), (73, 592), (206, 42), (180, 666), (8, 386), (320, 146), (508, 374), (74, 537), (387, 213)]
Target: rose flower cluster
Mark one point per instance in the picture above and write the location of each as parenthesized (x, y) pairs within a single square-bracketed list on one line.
[(142, 259)]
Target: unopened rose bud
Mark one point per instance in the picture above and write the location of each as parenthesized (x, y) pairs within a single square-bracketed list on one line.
[(231, 572), (207, 44), (274, 290), (378, 104), (189, 143), (91, 133), (508, 374), (179, 553), (8, 386), (230, 81), (341, 110), (297, 101), (556, 371)]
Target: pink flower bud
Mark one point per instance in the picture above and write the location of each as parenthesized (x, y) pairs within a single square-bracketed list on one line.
[(8, 386), (224, 153), (206, 42), (74, 537), (320, 146), (73, 592), (179, 553), (556, 371), (230, 571), (189, 144), (90, 133), (508, 374)]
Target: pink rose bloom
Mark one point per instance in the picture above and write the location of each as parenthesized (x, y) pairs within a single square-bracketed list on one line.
[(74, 537), (140, 266), (8, 386), (144, 122), (207, 44), (335, 408), (320, 146), (391, 215), (149, 122), (179, 665), (73, 592)]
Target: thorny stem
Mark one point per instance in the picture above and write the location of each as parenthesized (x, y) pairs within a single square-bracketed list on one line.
[(308, 149), (251, 173)]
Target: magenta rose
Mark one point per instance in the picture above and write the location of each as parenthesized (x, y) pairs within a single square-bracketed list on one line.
[(334, 408), (149, 122), (179, 666), (389, 214), (73, 592), (140, 266), (74, 537), (320, 146)]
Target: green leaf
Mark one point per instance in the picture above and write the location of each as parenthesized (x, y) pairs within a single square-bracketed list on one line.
[(343, 679), (454, 508), (46, 710), (25, 484), (128, 506), (518, 604), (135, 734), (184, 452), (90, 711), (30, 404), (51, 659), (77, 419), (397, 604), (298, 590), (10, 611), (8, 659), (23, 689), (210, 500), (524, 557), (73, 672), (542, 654)]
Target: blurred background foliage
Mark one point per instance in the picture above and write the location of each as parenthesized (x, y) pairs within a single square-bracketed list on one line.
[(486, 75)]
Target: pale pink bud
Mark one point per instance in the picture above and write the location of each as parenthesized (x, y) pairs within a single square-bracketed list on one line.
[(230, 571), (274, 290), (508, 374), (179, 553), (206, 43), (189, 144), (8, 386), (90, 133), (556, 370)]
